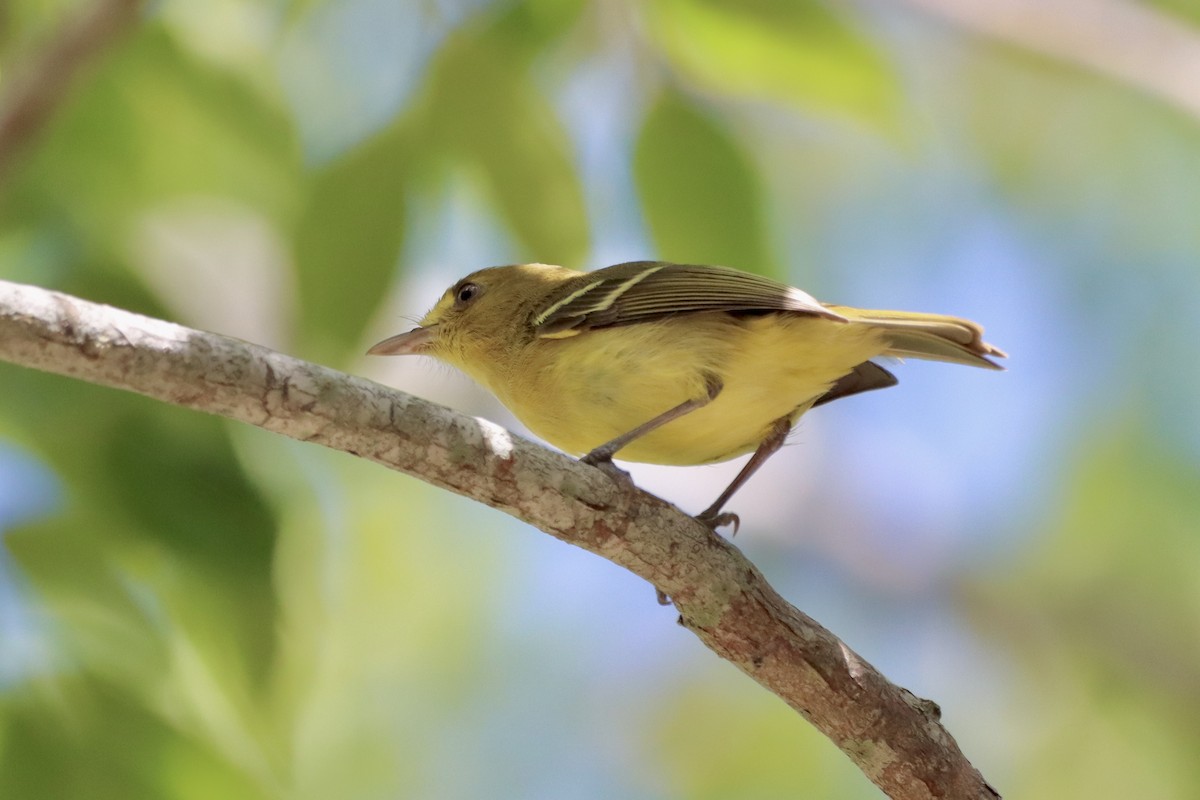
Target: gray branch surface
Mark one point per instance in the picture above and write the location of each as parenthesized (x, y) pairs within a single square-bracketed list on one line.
[(893, 736)]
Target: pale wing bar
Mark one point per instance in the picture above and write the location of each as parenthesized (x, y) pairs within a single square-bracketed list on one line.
[(641, 291)]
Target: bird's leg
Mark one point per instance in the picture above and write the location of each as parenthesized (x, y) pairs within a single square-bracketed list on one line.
[(602, 456), (712, 515)]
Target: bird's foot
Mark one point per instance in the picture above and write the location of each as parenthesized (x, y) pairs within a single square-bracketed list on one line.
[(604, 463), (719, 519)]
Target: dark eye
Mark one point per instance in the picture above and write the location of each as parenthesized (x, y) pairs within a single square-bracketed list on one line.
[(466, 293)]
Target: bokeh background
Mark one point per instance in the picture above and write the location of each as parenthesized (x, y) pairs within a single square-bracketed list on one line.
[(191, 608)]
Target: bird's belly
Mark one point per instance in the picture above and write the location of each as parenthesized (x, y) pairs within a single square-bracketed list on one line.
[(583, 396)]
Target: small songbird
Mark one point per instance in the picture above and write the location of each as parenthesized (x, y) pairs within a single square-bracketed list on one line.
[(670, 363)]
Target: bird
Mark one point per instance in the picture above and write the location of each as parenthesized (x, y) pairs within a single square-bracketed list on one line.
[(665, 363)]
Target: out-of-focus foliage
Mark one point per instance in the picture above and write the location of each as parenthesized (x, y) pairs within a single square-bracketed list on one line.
[(707, 215), (191, 609), (799, 52)]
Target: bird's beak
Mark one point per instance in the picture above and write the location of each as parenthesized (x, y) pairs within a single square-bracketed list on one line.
[(415, 342)]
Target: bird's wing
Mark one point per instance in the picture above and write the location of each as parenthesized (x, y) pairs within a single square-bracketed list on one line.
[(640, 291)]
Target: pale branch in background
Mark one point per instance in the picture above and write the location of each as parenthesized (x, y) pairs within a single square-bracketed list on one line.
[(1134, 43), (893, 736), (37, 88)]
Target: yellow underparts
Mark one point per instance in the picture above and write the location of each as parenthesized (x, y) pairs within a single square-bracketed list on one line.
[(582, 391)]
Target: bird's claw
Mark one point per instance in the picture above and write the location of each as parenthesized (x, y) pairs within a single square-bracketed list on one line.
[(605, 464), (720, 520)]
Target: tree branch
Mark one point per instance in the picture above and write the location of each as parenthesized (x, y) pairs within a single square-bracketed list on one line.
[(41, 85), (893, 736), (1134, 43)]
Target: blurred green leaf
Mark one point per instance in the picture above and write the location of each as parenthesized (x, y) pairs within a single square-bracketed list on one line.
[(700, 193), (795, 51), (294, 10), (1187, 10), (152, 123), (524, 154), (1088, 167), (80, 737), (480, 108), (759, 735), (168, 511), (1108, 624), (348, 240), (25, 24), (202, 506), (1101, 567), (483, 108), (529, 26)]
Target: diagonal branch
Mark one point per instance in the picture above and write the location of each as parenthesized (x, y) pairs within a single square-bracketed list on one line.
[(893, 736), (1135, 43)]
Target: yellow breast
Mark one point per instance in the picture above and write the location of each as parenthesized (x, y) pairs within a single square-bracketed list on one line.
[(582, 391)]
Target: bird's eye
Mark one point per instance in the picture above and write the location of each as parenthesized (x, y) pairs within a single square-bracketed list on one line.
[(466, 293)]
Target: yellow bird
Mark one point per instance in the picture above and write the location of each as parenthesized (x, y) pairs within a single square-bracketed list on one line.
[(666, 363)]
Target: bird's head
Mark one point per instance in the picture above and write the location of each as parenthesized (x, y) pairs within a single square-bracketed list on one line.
[(480, 320)]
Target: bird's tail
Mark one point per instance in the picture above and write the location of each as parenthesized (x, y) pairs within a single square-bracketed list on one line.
[(934, 337)]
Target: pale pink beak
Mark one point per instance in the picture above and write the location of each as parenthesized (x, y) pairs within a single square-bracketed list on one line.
[(415, 342)]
